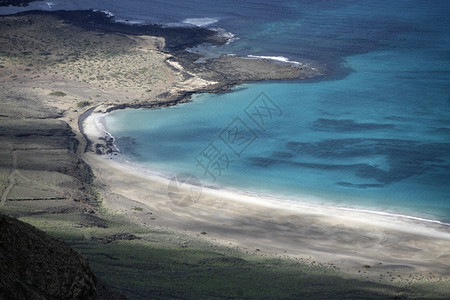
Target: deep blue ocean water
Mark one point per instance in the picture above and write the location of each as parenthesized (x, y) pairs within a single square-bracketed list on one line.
[(374, 133)]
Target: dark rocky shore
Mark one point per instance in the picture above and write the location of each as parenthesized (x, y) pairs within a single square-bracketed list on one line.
[(177, 38)]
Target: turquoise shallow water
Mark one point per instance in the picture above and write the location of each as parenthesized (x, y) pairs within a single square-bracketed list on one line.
[(325, 143), (372, 134), (377, 139), (375, 135)]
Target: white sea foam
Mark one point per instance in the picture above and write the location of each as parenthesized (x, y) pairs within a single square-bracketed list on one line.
[(231, 37), (107, 12), (99, 120), (130, 22), (382, 213), (126, 21), (200, 22), (312, 202), (276, 58)]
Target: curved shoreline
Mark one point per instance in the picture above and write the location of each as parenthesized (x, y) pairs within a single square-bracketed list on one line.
[(299, 229), (237, 192), (103, 133)]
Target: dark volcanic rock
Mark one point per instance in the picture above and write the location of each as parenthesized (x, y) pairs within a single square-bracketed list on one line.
[(177, 38), (34, 265)]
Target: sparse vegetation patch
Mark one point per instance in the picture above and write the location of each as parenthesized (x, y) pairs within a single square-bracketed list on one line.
[(58, 94), (82, 104)]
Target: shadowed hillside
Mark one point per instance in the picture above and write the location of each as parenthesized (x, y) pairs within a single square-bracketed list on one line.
[(36, 266)]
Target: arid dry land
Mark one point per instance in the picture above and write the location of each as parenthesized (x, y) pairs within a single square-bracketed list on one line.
[(55, 67)]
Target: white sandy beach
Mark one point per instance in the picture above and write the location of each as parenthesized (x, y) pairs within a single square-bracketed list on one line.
[(345, 238)]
